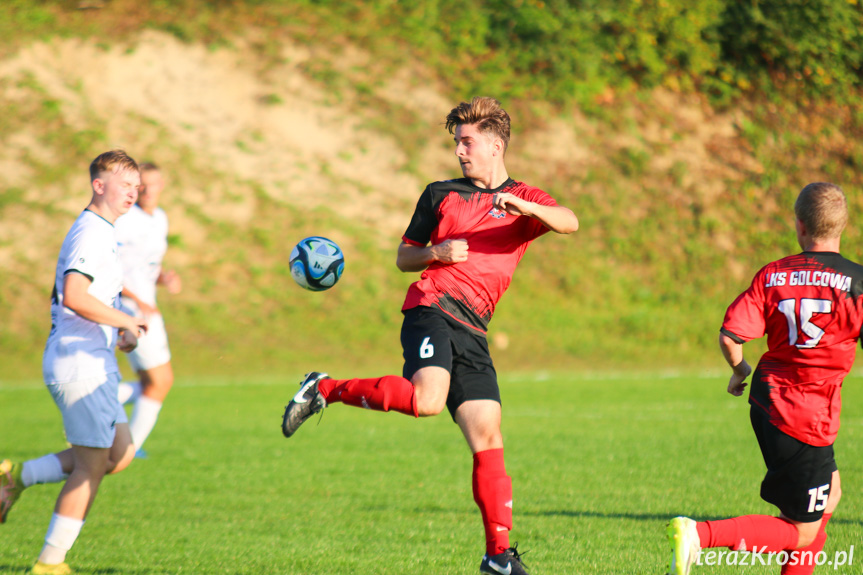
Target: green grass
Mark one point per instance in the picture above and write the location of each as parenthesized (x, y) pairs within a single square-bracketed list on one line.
[(599, 462)]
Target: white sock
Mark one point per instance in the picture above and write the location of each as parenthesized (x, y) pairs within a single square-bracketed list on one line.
[(144, 419), (46, 469), (62, 533), (128, 392)]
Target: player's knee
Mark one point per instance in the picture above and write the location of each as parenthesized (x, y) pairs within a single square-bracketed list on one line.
[(835, 497), (430, 400), (156, 375), (430, 406), (807, 532), (166, 380), (805, 540), (488, 439), (122, 461), (157, 385)]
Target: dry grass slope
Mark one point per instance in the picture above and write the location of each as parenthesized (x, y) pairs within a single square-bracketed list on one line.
[(678, 203)]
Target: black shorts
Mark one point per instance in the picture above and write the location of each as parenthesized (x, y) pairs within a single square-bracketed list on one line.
[(798, 476), (431, 338)]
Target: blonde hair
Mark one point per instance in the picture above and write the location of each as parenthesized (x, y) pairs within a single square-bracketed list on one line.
[(823, 210), (486, 113), (113, 161)]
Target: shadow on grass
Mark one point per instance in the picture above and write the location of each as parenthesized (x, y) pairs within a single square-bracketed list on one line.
[(596, 514), (649, 516), (113, 571), (664, 517), (7, 568)]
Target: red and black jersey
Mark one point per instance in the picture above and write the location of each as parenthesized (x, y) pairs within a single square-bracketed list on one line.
[(811, 309), (456, 209)]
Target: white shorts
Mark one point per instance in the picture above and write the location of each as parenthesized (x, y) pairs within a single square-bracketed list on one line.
[(152, 350), (90, 410)]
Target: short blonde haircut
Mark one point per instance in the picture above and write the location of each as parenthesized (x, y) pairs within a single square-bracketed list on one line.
[(823, 209), (113, 161), (486, 113)]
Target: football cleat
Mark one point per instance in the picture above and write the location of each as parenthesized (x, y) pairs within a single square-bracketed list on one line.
[(141, 454), (10, 486), (306, 402), (45, 569), (506, 563), (685, 545)]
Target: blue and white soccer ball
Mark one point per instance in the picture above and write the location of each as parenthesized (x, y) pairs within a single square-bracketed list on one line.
[(317, 263)]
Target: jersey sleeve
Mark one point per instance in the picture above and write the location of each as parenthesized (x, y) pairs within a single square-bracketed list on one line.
[(84, 255), (423, 222), (536, 228), (744, 318)]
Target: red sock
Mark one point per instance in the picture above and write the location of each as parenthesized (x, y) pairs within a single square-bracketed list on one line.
[(492, 491), (749, 532), (806, 557), (379, 393)]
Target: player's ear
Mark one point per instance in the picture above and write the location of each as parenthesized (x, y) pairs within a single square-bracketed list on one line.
[(498, 146)]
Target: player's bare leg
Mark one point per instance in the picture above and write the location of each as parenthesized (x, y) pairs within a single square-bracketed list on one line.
[(431, 386), (772, 534), (813, 535), (479, 421), (16, 477), (90, 465), (155, 385), (157, 382)]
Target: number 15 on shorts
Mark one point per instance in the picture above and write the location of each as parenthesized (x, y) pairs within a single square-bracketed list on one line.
[(818, 498)]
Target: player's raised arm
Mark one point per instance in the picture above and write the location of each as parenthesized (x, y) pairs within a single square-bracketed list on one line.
[(558, 219), (413, 258)]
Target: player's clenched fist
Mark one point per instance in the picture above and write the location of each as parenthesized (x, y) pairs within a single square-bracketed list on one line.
[(450, 251), (128, 337), (127, 341), (511, 204)]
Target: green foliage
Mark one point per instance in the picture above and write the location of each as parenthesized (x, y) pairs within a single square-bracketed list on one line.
[(569, 51), (810, 48)]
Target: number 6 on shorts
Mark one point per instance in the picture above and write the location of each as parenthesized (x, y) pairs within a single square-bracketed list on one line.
[(426, 348)]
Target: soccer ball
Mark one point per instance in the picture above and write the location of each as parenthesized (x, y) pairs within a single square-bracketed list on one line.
[(317, 263)]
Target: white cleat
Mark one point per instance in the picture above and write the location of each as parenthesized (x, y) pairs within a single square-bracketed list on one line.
[(685, 545)]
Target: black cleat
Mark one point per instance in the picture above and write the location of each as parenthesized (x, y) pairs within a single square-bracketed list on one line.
[(506, 563), (305, 403)]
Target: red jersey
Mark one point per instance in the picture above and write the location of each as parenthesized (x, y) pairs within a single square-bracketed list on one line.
[(811, 309), (456, 209)]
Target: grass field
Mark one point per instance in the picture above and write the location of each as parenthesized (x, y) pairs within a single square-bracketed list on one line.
[(599, 463)]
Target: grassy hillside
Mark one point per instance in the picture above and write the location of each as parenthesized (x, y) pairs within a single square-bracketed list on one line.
[(288, 119)]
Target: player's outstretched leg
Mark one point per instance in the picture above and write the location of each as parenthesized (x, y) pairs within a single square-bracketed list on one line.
[(306, 402), (685, 545), (11, 486), (506, 563)]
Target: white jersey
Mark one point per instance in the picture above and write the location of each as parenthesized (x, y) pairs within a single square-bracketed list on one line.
[(78, 348), (143, 240)]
